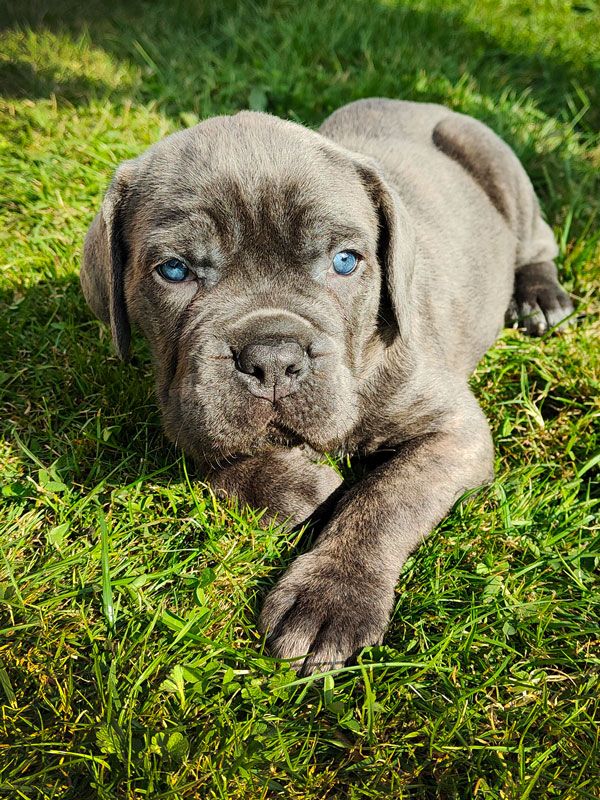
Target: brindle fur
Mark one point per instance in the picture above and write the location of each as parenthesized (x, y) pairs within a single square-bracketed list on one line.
[(452, 239)]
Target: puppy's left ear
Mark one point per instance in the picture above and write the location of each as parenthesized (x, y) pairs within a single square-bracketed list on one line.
[(396, 247), (104, 261)]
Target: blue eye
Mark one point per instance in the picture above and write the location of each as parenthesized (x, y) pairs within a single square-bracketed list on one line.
[(173, 270), (345, 262)]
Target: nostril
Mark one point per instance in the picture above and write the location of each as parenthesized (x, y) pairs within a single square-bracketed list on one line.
[(246, 361), (272, 363)]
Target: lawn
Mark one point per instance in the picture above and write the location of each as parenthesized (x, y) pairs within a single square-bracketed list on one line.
[(130, 666)]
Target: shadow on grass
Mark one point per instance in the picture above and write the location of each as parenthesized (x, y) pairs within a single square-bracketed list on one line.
[(68, 398), (307, 57), (19, 80)]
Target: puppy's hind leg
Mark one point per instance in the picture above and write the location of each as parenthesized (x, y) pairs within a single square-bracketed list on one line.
[(539, 302)]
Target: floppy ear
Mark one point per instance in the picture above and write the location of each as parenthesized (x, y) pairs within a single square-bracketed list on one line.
[(396, 247), (104, 261)]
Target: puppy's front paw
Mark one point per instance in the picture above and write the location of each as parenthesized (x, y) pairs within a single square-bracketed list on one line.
[(286, 483), (321, 613)]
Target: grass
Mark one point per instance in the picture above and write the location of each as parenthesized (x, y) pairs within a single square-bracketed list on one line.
[(130, 666)]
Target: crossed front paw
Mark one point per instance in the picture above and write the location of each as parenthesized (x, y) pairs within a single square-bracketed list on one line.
[(321, 613), (287, 484)]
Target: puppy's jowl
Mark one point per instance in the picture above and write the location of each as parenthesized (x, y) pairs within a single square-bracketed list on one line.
[(308, 292)]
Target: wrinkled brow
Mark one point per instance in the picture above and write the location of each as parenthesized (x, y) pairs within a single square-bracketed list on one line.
[(285, 220), (286, 217)]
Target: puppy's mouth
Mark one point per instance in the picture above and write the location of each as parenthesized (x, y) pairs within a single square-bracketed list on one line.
[(281, 435), (212, 414)]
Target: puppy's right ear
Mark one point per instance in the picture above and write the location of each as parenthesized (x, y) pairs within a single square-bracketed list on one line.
[(104, 261)]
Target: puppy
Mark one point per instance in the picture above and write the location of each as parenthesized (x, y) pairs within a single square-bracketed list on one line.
[(307, 293)]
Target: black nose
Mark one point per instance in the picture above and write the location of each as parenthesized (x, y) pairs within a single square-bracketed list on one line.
[(273, 369)]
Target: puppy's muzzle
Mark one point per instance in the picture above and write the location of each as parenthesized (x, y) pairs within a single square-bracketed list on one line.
[(272, 369)]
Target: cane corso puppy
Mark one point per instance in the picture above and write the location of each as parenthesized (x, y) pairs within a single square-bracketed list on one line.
[(327, 292)]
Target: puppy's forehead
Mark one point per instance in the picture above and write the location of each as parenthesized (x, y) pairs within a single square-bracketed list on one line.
[(245, 176), (250, 145)]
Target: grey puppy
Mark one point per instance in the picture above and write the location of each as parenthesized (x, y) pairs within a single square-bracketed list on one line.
[(308, 292)]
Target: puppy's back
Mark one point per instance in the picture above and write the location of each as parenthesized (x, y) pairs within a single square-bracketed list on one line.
[(475, 213)]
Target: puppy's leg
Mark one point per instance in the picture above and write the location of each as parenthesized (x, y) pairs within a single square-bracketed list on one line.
[(539, 301), (286, 482), (338, 597)]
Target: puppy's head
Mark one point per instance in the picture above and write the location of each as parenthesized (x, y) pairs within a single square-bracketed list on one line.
[(267, 267)]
